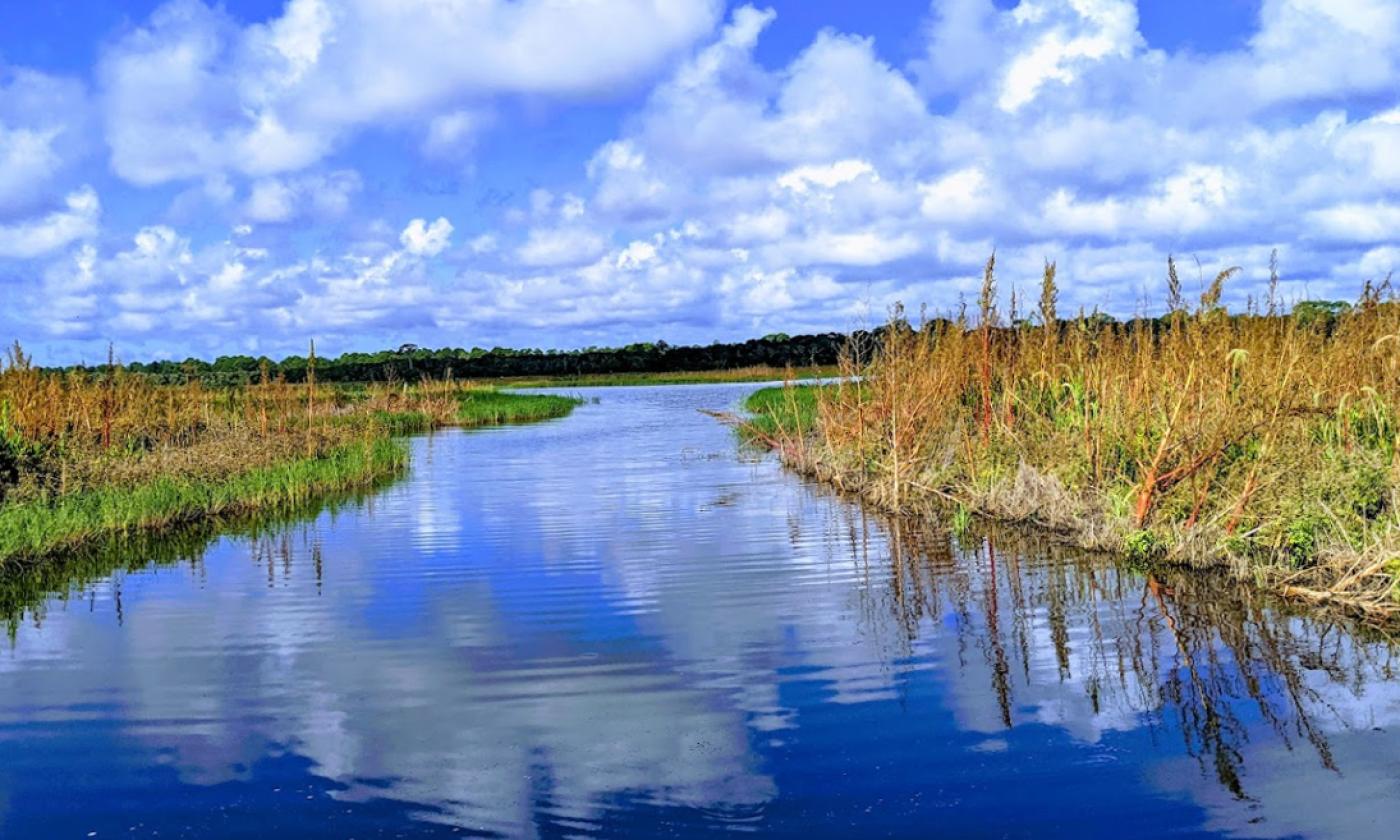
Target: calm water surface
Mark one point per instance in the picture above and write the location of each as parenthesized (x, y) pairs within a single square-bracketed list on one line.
[(619, 623)]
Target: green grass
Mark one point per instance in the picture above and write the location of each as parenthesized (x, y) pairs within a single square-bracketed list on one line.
[(404, 422), (780, 411), (676, 378), (35, 529), (490, 407)]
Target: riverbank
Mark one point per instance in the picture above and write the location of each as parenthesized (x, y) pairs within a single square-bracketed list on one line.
[(86, 457), (1262, 444)]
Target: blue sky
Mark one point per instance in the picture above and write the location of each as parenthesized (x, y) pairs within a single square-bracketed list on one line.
[(181, 178)]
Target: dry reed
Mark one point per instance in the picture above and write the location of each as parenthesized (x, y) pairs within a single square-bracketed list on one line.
[(1263, 442)]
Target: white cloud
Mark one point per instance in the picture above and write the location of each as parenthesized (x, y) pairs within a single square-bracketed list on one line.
[(961, 196), (1313, 48), (319, 196), (762, 179), (857, 248), (1357, 222), (1083, 32), (43, 133), (31, 238), (560, 247), (192, 92), (423, 239), (1186, 201), (27, 156), (801, 179), (271, 201), (1373, 144), (165, 287), (767, 225)]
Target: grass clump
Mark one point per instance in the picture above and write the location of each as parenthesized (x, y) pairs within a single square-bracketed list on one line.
[(1263, 441), (780, 412), (486, 407)]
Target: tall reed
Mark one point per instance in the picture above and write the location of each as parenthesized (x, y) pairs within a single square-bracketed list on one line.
[(1266, 443)]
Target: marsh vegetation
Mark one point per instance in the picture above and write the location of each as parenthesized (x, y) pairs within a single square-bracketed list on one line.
[(92, 453), (1262, 441)]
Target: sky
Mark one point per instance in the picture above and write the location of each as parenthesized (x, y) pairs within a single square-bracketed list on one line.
[(180, 178)]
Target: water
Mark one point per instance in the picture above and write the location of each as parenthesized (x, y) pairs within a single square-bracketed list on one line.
[(621, 624)]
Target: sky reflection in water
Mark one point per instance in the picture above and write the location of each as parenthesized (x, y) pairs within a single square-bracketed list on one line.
[(620, 623)]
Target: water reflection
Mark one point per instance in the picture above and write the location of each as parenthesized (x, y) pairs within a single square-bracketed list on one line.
[(620, 624), (1061, 638)]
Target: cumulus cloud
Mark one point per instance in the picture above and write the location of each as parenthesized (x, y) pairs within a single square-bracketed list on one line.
[(35, 237), (192, 91), (423, 239), (44, 131), (1069, 36)]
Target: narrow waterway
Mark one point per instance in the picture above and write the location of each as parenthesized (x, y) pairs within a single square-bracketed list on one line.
[(621, 623)]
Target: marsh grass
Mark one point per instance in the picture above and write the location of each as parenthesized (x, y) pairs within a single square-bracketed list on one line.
[(1263, 442), (486, 407), (85, 454), (780, 413)]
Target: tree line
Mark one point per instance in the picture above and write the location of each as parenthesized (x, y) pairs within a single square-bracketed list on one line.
[(412, 363)]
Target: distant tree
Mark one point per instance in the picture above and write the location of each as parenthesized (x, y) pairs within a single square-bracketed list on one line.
[(1309, 312)]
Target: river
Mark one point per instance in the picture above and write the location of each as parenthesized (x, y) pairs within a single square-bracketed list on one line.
[(622, 623)]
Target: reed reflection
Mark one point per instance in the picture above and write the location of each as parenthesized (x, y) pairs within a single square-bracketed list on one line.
[(1187, 654)]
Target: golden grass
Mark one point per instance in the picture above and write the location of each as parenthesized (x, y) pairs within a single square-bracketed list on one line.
[(1260, 441)]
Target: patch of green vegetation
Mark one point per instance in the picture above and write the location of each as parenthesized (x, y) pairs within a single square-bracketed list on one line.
[(1143, 546), (490, 407), (1300, 540), (404, 422), (38, 528), (780, 412), (961, 520), (1312, 312)]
